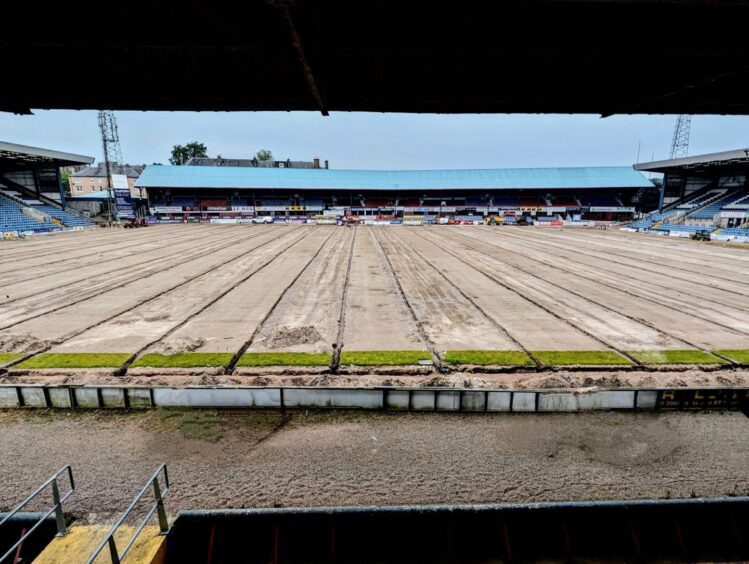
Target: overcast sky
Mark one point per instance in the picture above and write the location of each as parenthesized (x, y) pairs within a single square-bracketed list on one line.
[(383, 141)]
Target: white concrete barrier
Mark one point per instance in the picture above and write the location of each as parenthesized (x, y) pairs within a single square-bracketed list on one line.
[(415, 399)]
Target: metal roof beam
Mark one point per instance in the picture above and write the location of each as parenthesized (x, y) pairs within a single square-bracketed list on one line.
[(296, 41)]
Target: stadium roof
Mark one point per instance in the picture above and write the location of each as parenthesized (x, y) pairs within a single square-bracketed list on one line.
[(515, 56), (17, 156), (709, 163), (159, 176)]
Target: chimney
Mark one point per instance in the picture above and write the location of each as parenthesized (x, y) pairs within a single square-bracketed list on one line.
[(317, 162), (326, 163)]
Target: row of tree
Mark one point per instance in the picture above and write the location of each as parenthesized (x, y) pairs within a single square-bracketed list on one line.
[(195, 150)]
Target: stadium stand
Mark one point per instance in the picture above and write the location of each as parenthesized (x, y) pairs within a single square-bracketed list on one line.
[(409, 202), (469, 218), (701, 200), (568, 201), (741, 203), (599, 201), (531, 202), (312, 202), (650, 220), (476, 202), (67, 219), (507, 201), (739, 231), (709, 211), (12, 218), (275, 202), (185, 202), (213, 204), (680, 227)]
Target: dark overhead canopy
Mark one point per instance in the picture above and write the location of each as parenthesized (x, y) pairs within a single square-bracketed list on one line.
[(17, 157), (567, 56)]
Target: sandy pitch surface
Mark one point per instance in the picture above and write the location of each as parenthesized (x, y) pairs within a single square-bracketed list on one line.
[(226, 289)]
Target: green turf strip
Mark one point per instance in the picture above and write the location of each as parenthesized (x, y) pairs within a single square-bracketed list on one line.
[(494, 358), (183, 360), (7, 357), (383, 358), (75, 360), (582, 358), (675, 357), (284, 359), (741, 356)]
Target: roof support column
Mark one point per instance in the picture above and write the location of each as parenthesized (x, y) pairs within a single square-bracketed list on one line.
[(60, 187)]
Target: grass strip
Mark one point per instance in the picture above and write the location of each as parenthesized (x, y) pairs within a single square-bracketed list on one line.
[(383, 358), (75, 360), (683, 356), (183, 360), (581, 358), (741, 356), (284, 359), (7, 357), (493, 358)]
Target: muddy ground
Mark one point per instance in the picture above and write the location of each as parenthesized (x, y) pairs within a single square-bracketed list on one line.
[(264, 459)]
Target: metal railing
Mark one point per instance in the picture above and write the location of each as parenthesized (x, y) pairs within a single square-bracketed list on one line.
[(56, 509), (157, 507)]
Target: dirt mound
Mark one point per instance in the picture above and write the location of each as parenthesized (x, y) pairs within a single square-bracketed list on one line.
[(20, 343), (282, 337), (178, 346)]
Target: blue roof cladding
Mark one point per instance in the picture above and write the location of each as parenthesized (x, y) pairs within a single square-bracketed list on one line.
[(161, 176)]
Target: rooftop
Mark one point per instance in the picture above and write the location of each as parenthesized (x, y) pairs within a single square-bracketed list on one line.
[(132, 171), (159, 176), (15, 156)]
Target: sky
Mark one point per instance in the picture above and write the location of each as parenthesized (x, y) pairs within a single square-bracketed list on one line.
[(383, 141)]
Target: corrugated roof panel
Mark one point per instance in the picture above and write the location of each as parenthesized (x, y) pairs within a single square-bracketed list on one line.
[(160, 176)]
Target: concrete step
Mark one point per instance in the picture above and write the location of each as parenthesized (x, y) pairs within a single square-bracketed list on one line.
[(80, 542)]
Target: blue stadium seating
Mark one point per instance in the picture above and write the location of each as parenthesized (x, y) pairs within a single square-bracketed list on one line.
[(67, 219), (276, 202), (13, 219), (700, 200), (650, 220), (739, 231), (684, 228), (709, 211), (476, 202)]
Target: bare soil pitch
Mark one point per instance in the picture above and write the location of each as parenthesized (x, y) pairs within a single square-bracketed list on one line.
[(259, 289)]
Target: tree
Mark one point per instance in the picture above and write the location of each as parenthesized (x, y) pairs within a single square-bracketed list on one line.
[(183, 153), (264, 155), (65, 181)]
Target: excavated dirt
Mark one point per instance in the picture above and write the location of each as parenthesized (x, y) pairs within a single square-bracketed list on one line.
[(282, 337), (20, 343), (263, 459), (362, 377)]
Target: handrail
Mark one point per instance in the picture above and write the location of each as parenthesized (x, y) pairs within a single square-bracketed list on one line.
[(157, 506), (56, 508)]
